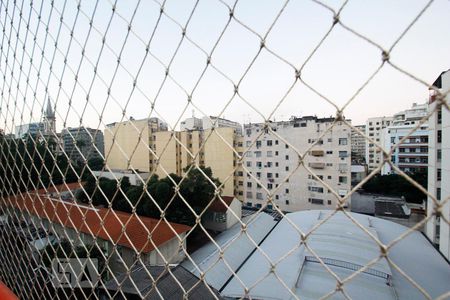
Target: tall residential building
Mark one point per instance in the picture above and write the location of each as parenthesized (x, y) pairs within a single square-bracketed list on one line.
[(146, 145), (359, 145), (214, 148), (211, 121), (83, 143), (374, 130), (128, 144), (191, 124), (276, 166), (412, 154), (438, 230)]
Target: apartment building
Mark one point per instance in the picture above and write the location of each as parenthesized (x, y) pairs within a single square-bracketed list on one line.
[(281, 178), (212, 121), (359, 145), (147, 146), (82, 143), (412, 154), (374, 130), (128, 144), (437, 230)]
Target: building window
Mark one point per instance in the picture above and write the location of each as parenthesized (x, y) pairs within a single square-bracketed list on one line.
[(276, 197), (287, 191), (343, 154), (269, 143), (439, 116), (258, 205), (287, 157), (439, 154), (258, 144), (329, 152), (315, 189), (269, 186), (316, 201), (269, 164), (249, 195), (249, 204), (259, 164), (249, 184), (287, 202), (329, 177), (259, 196), (276, 164), (258, 153), (276, 175), (249, 154), (329, 202), (287, 168), (342, 141), (240, 183), (249, 164), (276, 153), (439, 174), (438, 193), (342, 179), (439, 136), (286, 146), (269, 175), (276, 142), (248, 143), (269, 153)]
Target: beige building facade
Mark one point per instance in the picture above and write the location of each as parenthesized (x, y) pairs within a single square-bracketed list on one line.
[(149, 147), (128, 144)]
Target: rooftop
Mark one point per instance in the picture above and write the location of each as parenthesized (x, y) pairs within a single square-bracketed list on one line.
[(281, 267), (141, 233), (170, 284), (221, 206)]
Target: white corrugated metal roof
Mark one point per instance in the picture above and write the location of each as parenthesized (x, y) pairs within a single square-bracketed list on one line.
[(342, 245), (236, 246)]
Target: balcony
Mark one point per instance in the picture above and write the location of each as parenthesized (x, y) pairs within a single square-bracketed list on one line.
[(317, 153), (317, 165)]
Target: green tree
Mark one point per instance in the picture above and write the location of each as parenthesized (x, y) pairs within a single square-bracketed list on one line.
[(397, 185), (96, 164)]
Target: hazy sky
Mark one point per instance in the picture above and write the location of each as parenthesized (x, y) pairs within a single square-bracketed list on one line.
[(338, 68)]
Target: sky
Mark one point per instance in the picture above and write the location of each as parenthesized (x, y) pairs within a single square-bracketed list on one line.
[(91, 88)]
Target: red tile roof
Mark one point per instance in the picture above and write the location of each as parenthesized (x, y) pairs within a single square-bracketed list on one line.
[(219, 205), (142, 233)]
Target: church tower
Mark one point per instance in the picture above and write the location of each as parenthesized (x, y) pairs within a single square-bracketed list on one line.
[(49, 119)]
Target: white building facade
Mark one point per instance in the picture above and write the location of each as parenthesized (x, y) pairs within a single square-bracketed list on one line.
[(274, 175), (411, 156), (374, 130), (438, 230)]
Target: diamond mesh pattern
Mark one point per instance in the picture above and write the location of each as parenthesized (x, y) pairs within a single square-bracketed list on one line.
[(94, 64)]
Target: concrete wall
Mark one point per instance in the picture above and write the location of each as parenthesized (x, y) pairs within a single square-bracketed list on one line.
[(127, 150), (219, 156), (166, 148)]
